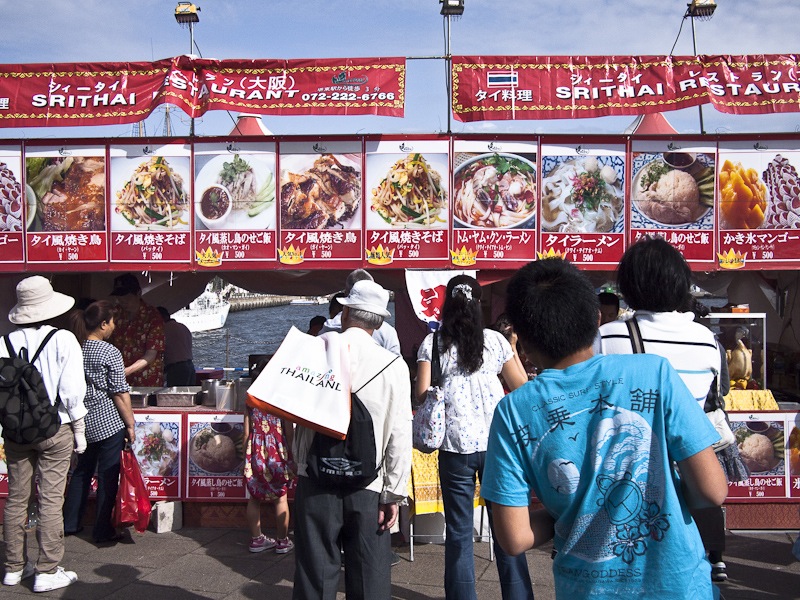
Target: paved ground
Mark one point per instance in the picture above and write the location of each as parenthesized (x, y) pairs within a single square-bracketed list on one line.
[(215, 564)]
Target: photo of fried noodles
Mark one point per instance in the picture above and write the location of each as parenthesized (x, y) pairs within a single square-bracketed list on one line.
[(411, 194), (494, 190), (154, 196)]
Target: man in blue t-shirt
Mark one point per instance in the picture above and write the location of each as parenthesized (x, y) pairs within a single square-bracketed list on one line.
[(596, 439)]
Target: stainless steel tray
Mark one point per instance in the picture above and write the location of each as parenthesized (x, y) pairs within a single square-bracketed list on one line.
[(141, 397), (187, 395)]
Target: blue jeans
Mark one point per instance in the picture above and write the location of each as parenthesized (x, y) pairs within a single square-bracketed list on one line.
[(457, 473), (104, 456)]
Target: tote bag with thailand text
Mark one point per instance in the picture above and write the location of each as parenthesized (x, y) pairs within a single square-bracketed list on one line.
[(307, 381)]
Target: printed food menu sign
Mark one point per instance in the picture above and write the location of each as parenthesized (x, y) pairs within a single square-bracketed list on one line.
[(150, 204), (407, 197), (762, 445), (215, 457), (157, 448), (66, 194), (494, 203), (234, 203), (320, 202), (17, 207), (583, 203), (672, 196), (759, 203)]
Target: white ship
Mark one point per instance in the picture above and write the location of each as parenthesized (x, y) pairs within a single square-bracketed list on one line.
[(206, 312)]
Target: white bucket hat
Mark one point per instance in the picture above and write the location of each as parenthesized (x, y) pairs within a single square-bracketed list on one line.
[(37, 302), (369, 296)]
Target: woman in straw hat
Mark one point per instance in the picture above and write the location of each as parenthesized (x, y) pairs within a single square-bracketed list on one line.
[(61, 366)]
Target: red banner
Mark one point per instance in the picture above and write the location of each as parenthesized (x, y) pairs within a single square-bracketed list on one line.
[(52, 95), (572, 87)]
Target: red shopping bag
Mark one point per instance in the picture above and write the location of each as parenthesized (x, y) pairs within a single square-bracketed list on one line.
[(133, 501)]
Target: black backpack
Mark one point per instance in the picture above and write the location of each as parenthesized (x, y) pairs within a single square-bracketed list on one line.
[(350, 463), (26, 413)]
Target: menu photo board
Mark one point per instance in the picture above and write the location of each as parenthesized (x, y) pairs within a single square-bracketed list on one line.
[(672, 196), (235, 187), (583, 206), (759, 204), (157, 448), (494, 203), (17, 206), (150, 205), (66, 193), (793, 451), (408, 203), (321, 203), (761, 438), (215, 457)]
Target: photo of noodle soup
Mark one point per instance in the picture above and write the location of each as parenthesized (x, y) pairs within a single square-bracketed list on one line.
[(495, 191)]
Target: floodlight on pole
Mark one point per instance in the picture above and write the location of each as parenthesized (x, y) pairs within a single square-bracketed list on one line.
[(450, 8), (186, 15), (703, 10)]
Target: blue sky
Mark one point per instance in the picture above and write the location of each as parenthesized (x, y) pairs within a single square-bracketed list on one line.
[(99, 31)]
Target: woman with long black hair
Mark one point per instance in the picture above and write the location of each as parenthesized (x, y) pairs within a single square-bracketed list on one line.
[(109, 422), (471, 358)]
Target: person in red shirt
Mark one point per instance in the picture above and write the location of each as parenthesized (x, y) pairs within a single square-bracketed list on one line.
[(139, 333)]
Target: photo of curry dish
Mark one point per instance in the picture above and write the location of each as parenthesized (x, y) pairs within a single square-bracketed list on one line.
[(70, 192)]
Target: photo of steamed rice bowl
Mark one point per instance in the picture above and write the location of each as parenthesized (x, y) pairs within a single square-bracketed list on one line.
[(214, 452), (671, 195), (761, 449), (582, 194)]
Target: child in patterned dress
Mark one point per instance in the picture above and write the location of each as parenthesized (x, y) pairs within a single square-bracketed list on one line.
[(268, 471)]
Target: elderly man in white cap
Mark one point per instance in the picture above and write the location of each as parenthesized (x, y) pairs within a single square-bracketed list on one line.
[(385, 335), (61, 366), (362, 517)]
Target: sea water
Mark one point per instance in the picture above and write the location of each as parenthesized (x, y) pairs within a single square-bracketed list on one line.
[(256, 331)]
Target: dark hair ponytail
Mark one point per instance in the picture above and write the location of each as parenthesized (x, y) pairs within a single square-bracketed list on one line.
[(462, 321), (83, 322)]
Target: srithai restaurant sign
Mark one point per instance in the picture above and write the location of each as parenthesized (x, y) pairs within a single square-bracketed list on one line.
[(573, 87), (53, 95)]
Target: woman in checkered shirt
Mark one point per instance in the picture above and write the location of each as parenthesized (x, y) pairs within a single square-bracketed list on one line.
[(109, 422)]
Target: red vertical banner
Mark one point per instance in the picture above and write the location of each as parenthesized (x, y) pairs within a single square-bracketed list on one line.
[(759, 204), (157, 448), (17, 208), (234, 204), (408, 203), (672, 196), (583, 208), (762, 444), (215, 457), (151, 205), (321, 203), (66, 189), (494, 203)]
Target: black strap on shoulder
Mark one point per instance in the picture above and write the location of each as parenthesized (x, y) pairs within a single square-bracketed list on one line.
[(43, 344), (436, 364), (636, 335), (376, 374), (11, 352)]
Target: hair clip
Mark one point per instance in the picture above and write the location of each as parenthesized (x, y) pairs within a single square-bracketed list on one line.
[(464, 289)]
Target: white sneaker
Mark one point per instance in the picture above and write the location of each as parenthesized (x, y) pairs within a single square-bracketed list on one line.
[(46, 582), (14, 577)]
